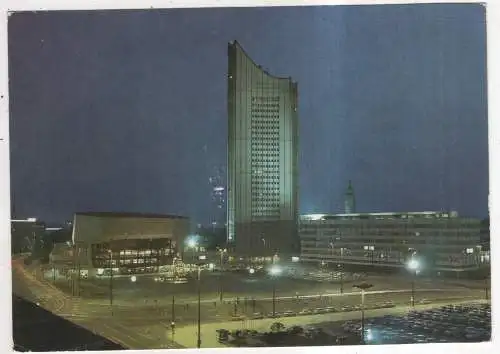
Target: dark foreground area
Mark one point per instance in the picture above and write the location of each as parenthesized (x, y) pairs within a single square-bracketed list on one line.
[(36, 329)]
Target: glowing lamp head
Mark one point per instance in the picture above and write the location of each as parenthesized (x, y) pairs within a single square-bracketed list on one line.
[(413, 264), (275, 270), (191, 243)]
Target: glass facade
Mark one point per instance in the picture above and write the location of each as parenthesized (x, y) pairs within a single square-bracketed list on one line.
[(134, 256)]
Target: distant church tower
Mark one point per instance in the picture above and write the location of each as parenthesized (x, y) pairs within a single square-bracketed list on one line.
[(350, 200)]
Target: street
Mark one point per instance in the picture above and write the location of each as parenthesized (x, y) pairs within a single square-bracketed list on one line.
[(141, 314)]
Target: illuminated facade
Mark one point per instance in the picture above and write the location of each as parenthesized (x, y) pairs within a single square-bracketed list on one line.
[(127, 242), (445, 241), (262, 158), (218, 197)]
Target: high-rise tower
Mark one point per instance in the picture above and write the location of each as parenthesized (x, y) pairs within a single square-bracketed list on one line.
[(262, 158), (350, 200)]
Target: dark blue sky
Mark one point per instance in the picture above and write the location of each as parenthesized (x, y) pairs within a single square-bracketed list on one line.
[(112, 110)]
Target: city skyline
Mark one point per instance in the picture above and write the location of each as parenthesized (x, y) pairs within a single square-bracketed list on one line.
[(385, 101)]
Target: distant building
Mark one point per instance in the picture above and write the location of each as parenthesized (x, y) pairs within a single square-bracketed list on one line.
[(262, 159), (26, 234), (444, 241), (218, 197), (485, 234), (350, 200), (130, 243)]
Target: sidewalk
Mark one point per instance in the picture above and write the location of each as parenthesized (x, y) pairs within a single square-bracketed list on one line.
[(187, 336)]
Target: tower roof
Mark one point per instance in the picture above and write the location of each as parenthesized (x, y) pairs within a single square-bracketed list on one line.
[(350, 189)]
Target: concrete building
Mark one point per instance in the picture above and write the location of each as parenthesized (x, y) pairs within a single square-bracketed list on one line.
[(262, 159), (444, 241), (130, 243)]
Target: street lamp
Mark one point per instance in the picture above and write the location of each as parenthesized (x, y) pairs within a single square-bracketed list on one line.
[(192, 244), (486, 287), (413, 266), (199, 308), (172, 323), (274, 271), (111, 280), (363, 287), (221, 251)]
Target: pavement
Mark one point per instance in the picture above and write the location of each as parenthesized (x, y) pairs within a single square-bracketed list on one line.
[(187, 336), (29, 286), (146, 325)]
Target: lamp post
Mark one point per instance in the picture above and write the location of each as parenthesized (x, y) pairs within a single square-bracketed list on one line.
[(192, 244), (221, 252), (413, 266), (274, 272), (199, 308), (172, 324), (111, 280), (341, 279), (486, 286), (363, 287)]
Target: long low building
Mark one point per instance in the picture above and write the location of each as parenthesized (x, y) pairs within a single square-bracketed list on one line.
[(444, 241), (127, 243)]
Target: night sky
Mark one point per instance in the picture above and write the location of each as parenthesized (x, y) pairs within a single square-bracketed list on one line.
[(126, 110)]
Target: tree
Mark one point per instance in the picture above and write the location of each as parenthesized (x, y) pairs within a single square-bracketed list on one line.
[(277, 327)]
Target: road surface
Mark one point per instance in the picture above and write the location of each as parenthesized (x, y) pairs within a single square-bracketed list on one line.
[(145, 323)]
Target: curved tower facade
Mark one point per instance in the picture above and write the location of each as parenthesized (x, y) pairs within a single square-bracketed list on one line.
[(350, 200), (262, 159)]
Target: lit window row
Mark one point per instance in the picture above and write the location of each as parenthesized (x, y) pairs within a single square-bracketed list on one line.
[(268, 119), (264, 110), (266, 155), (264, 180), (265, 98), (265, 104), (137, 252), (266, 133), (265, 119), (266, 147)]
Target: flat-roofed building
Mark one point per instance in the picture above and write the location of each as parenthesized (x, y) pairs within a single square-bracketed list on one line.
[(444, 241), (129, 243)]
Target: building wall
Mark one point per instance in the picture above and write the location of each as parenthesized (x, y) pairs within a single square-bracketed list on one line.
[(134, 240), (262, 155), (99, 229), (444, 241)]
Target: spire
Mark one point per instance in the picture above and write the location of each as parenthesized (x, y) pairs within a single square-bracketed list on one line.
[(350, 190), (350, 200)]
